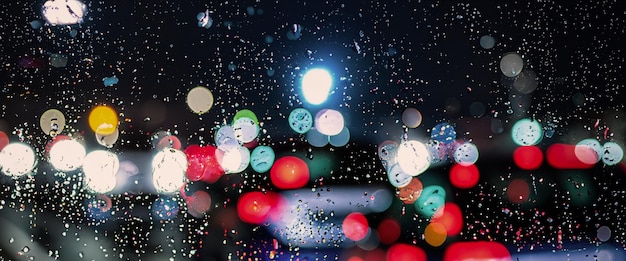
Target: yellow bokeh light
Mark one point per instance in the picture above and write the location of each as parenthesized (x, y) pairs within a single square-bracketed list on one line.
[(103, 120)]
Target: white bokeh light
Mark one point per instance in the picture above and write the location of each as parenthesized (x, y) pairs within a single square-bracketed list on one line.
[(67, 155), (100, 168), (329, 122), (168, 170), (17, 159), (316, 84), (413, 157), (233, 158), (64, 12), (245, 129)]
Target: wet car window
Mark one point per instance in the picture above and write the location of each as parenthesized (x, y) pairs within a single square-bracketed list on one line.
[(312, 130)]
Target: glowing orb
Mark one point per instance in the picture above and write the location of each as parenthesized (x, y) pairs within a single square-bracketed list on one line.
[(487, 42), (108, 140), (435, 234), (528, 157), (245, 113), (329, 122), (411, 192), (566, 156), (52, 122), (464, 177), (300, 120), (289, 172), (477, 250), (388, 231), (397, 177), (526, 132), (245, 129), (103, 120), (444, 133), (451, 217), (233, 158), (583, 148), (340, 139), (100, 168), (67, 155), (4, 140), (518, 191), (405, 252), (262, 159), (199, 100), (511, 64), (199, 203), (63, 12), (432, 199), (613, 153), (168, 170), (355, 226), (316, 85), (411, 117), (316, 139), (388, 153), (226, 136), (465, 154), (253, 207), (603, 233), (17, 159), (413, 157), (203, 164)]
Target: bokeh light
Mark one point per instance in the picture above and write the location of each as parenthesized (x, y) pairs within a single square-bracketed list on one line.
[(103, 120), (289, 172), (316, 84), (355, 226), (200, 100), (464, 177), (17, 159), (100, 168), (67, 155), (528, 157), (413, 157)]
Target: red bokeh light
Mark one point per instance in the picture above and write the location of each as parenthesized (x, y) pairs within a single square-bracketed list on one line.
[(477, 251), (528, 157), (518, 191), (4, 140), (464, 177), (289, 172), (203, 164), (253, 207), (564, 156), (451, 217), (355, 226), (199, 203), (388, 231), (405, 252)]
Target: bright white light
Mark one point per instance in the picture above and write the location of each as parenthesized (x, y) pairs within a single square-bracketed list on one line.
[(100, 168), (233, 159), (168, 170), (413, 157), (246, 130), (17, 159), (329, 122), (67, 155), (316, 84), (64, 12)]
